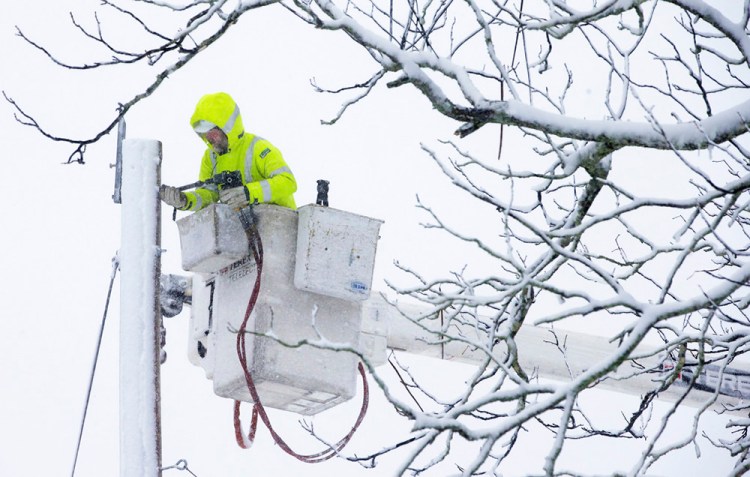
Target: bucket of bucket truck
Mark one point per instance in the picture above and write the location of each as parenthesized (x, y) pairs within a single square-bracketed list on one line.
[(303, 379)]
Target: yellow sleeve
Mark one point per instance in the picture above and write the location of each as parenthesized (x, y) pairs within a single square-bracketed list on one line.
[(277, 184)]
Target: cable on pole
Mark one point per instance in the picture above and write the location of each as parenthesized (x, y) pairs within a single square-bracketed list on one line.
[(115, 267), (181, 464)]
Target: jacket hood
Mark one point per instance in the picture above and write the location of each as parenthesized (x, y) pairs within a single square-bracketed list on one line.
[(218, 109)]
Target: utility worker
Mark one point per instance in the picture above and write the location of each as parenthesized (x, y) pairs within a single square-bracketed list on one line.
[(266, 178)]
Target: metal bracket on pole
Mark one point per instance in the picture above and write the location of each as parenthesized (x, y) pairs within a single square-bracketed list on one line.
[(117, 196)]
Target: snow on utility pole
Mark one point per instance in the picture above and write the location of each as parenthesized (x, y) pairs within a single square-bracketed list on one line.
[(140, 427)]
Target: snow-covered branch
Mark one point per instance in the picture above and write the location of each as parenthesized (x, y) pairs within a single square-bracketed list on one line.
[(620, 197)]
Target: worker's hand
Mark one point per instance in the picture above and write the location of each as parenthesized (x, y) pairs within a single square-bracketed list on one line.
[(172, 196), (236, 197)]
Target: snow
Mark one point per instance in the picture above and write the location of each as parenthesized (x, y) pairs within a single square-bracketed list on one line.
[(61, 230), (139, 344)]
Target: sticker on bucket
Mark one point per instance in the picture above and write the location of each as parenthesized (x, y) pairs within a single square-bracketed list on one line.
[(359, 287)]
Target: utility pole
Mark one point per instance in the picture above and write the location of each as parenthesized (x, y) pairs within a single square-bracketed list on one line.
[(140, 250)]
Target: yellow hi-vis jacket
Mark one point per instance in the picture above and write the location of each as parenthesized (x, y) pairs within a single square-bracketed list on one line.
[(265, 174)]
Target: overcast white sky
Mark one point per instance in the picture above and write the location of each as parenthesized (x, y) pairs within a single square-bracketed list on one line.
[(60, 230)]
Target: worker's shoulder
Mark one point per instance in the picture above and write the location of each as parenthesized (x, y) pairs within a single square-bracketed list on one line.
[(262, 147), (260, 140)]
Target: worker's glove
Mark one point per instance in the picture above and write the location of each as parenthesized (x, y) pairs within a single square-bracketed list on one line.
[(172, 196), (236, 197)]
